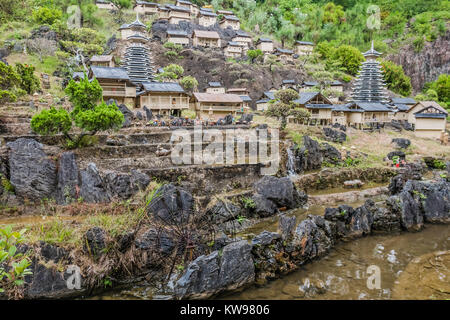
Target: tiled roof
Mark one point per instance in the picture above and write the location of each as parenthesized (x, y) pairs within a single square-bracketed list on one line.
[(287, 51), (246, 98), (217, 97), (402, 107), (262, 101), (270, 95), (431, 115), (310, 83), (319, 106), (289, 81), (79, 75), (232, 18), (403, 100), (208, 13), (433, 104), (214, 84), (241, 33), (179, 33), (109, 73), (162, 87), (177, 8), (306, 97), (105, 58), (373, 106), (305, 43), (206, 34), (233, 43)]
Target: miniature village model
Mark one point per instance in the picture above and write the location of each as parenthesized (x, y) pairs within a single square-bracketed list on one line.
[(206, 149)]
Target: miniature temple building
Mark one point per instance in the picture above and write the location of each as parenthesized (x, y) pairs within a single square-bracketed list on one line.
[(178, 37), (265, 45), (401, 107), (244, 39), (230, 21), (103, 61), (207, 18), (318, 105), (369, 84), (116, 84), (163, 12), (177, 14), (212, 106), (288, 84), (145, 8), (137, 59), (104, 4), (136, 28), (284, 55), (336, 85), (264, 102), (428, 119), (202, 38), (303, 47), (308, 86), (215, 87), (233, 50), (166, 98)]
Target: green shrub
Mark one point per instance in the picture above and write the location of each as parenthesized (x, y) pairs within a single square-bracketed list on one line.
[(44, 15), (13, 265), (396, 79), (27, 80)]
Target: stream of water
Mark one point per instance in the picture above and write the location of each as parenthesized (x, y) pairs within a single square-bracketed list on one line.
[(342, 274)]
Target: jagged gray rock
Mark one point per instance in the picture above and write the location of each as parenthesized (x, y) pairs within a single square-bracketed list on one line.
[(32, 173), (68, 179), (93, 188), (214, 273)]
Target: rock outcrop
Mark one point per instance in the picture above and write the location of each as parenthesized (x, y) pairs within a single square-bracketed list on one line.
[(32, 173), (217, 272), (68, 179), (272, 193)]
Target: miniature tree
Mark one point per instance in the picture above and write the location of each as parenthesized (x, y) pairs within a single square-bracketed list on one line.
[(87, 114), (189, 83), (284, 105)]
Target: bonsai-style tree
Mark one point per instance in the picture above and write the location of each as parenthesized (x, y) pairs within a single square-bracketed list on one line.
[(171, 72), (284, 105), (300, 114), (189, 84), (87, 114), (254, 54)]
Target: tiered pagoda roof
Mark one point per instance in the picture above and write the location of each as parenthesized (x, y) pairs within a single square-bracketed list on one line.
[(137, 60), (369, 85)]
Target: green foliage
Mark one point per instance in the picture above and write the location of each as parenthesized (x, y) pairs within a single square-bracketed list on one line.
[(51, 121), (86, 114), (101, 117), (8, 77), (7, 96), (254, 54), (171, 72), (439, 164), (6, 184), (440, 89), (13, 265), (396, 79), (248, 203), (284, 105), (27, 80), (45, 15), (350, 58), (84, 94), (189, 83)]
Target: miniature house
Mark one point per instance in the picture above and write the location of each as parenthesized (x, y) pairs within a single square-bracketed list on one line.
[(103, 61), (233, 50), (215, 87), (207, 18), (231, 22), (202, 38), (145, 8), (303, 47), (164, 98), (104, 4), (243, 38), (265, 45), (177, 14), (212, 106), (428, 119), (177, 37)]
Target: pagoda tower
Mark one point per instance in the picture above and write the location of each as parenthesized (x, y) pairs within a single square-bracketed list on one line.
[(369, 85), (138, 61)]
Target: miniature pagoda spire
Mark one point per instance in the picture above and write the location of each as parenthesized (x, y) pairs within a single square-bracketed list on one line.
[(138, 61), (369, 84)]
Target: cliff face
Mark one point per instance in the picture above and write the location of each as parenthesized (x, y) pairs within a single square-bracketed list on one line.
[(426, 65)]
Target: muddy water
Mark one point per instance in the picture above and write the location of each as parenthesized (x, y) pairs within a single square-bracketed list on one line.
[(343, 273)]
